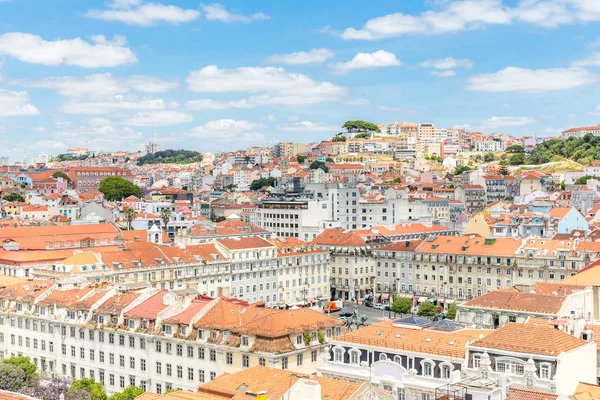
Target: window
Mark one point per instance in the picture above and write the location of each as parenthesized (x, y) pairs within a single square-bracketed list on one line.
[(122, 343), (382, 357), (180, 350), (545, 371), (132, 362), (169, 370), (101, 356), (179, 372), (313, 356), (201, 353), (131, 341), (190, 374), (142, 364), (190, 351), (262, 362), (510, 366), (401, 394), (445, 372), (122, 361), (425, 396), (427, 369), (284, 363), (200, 375), (299, 359), (158, 367), (476, 360), (354, 357), (246, 361), (229, 358), (213, 355)]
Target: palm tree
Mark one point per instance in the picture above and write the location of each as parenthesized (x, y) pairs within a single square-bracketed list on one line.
[(129, 214), (165, 216)]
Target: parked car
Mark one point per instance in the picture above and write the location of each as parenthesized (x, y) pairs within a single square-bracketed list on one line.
[(378, 306), (346, 314), (387, 308), (368, 303)]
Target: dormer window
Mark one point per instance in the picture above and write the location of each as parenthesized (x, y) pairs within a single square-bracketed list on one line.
[(298, 340), (245, 341), (167, 329), (184, 330), (131, 323), (71, 314)]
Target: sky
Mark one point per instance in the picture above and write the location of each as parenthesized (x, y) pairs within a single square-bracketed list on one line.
[(113, 75)]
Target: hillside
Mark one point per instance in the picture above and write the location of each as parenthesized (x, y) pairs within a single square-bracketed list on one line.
[(582, 150), (171, 157)]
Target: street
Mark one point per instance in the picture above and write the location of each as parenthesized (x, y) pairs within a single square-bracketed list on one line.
[(373, 314)]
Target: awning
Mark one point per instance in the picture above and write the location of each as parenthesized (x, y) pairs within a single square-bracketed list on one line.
[(422, 299), (385, 296)]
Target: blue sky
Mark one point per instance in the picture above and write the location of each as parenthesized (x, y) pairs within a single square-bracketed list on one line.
[(223, 76)]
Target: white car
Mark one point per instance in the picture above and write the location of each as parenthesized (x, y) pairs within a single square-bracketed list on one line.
[(378, 306)]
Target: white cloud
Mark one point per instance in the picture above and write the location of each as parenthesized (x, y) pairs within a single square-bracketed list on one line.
[(216, 12), (497, 122), (136, 13), (209, 104), (593, 60), (377, 59), (594, 43), (512, 79), (117, 40), (151, 84), (98, 121), (118, 103), (271, 117), (447, 63), (102, 85), (16, 104), (357, 102), (227, 130), (505, 105), (461, 15), (313, 56), (33, 49), (444, 74), (158, 118), (270, 85), (308, 126), (595, 112)]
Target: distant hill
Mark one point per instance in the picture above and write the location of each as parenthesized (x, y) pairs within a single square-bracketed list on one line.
[(171, 157), (582, 150)]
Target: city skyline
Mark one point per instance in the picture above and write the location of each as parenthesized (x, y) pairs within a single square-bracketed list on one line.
[(116, 75)]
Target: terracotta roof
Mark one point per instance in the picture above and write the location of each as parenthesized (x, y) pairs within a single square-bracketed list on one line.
[(409, 246), (467, 245), (339, 237), (117, 303), (524, 394), (276, 382), (513, 299), (185, 317), (522, 338), (241, 243), (86, 303), (35, 238), (25, 292), (225, 228), (385, 335), (586, 391), (288, 322), (64, 298), (149, 308)]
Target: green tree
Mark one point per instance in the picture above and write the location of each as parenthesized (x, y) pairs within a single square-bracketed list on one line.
[(562, 185), (460, 169), (402, 305), (173, 390), (129, 393), (426, 309), (262, 182), (116, 188), (452, 311), (12, 378), (363, 136), (129, 214), (14, 197), (231, 187), (583, 180), (300, 159), (171, 157), (89, 385), (517, 159), (23, 362), (60, 174), (339, 137), (489, 157), (360, 126), (319, 164), (515, 148), (503, 170), (165, 217)]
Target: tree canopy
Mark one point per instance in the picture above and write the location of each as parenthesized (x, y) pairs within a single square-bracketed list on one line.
[(171, 157), (515, 148), (60, 174), (319, 164), (583, 180), (116, 188), (460, 169), (360, 126), (426, 309), (583, 150), (517, 159), (488, 157), (70, 157), (363, 136), (89, 385), (452, 311), (300, 159), (25, 364), (402, 305), (339, 137), (129, 393), (262, 182), (12, 378), (13, 197)]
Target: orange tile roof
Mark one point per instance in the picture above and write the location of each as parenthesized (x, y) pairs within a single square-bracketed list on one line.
[(25, 292), (523, 338), (410, 246), (288, 322), (117, 303), (86, 303), (241, 243), (64, 298), (185, 317), (471, 246), (385, 335), (276, 382), (525, 394), (339, 237), (514, 300), (149, 308)]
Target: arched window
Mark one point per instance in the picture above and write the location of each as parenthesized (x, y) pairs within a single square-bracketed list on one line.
[(382, 357), (398, 360), (355, 357), (338, 355), (545, 371), (427, 367)]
